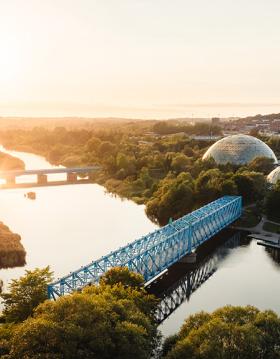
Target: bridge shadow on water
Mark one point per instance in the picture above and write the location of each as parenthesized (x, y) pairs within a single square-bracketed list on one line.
[(47, 184), (182, 279), (274, 255)]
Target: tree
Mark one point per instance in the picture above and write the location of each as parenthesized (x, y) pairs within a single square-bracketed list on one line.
[(173, 199), (100, 322), (126, 164), (180, 162), (262, 164), (245, 186), (25, 294), (106, 148), (122, 275), (227, 333), (212, 184), (93, 144), (250, 185), (272, 201)]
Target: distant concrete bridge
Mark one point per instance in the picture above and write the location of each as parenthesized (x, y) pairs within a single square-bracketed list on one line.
[(42, 176), (157, 251)]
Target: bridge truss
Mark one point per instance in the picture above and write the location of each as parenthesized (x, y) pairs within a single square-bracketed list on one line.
[(155, 252), (181, 290)]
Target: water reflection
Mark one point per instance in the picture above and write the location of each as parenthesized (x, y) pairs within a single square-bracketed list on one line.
[(174, 291), (67, 226), (274, 255)]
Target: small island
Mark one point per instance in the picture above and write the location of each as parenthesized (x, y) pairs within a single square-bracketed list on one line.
[(12, 252)]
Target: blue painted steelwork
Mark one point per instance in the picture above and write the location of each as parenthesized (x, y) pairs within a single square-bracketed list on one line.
[(155, 252), (16, 173), (182, 289)]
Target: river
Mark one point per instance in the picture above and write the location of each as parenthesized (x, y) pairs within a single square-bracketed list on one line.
[(69, 226)]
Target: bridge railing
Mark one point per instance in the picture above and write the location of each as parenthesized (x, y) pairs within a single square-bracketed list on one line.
[(153, 253), (81, 170)]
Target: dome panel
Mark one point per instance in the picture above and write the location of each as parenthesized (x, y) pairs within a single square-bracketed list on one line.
[(239, 150), (274, 176)]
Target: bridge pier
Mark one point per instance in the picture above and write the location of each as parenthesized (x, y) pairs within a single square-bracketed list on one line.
[(72, 177), (11, 180), (189, 258), (42, 179)]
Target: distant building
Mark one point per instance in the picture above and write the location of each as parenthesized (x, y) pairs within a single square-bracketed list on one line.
[(263, 126), (275, 125), (239, 150), (206, 138)]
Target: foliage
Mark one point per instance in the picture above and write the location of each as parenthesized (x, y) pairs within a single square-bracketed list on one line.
[(272, 201), (122, 275), (228, 333), (9, 163), (250, 218), (105, 321), (172, 200), (25, 294), (199, 128), (146, 161), (262, 164)]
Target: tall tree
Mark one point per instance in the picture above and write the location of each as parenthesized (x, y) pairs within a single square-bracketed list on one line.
[(25, 294)]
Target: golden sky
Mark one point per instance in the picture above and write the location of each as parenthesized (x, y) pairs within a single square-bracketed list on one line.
[(139, 58)]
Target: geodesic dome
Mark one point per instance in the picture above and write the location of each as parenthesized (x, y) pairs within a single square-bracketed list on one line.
[(238, 150), (274, 176)]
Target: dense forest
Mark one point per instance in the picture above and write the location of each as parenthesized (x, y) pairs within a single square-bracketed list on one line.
[(163, 171), (115, 319)]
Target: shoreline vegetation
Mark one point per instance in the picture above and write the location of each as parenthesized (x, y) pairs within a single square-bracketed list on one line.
[(12, 252), (9, 163), (155, 163), (115, 319)]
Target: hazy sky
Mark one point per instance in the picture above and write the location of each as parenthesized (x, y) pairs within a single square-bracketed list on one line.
[(152, 58)]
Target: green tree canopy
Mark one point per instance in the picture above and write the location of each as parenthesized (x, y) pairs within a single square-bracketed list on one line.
[(262, 164), (100, 322), (173, 199), (227, 333), (122, 275), (25, 294), (272, 201)]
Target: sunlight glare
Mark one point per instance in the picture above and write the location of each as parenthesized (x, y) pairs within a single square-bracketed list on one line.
[(11, 60)]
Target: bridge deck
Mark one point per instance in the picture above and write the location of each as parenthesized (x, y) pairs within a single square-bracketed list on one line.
[(16, 173), (155, 252)]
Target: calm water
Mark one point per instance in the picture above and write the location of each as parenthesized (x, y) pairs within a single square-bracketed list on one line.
[(69, 226), (241, 273)]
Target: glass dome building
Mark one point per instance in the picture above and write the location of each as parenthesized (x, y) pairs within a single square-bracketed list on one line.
[(274, 176), (238, 150)]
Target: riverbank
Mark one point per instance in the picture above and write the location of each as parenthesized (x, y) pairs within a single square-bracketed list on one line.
[(9, 163), (12, 252)]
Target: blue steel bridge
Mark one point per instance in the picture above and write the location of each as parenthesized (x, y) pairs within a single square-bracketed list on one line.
[(180, 291), (157, 251)]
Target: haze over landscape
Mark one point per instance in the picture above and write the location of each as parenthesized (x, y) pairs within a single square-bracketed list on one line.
[(139, 179), (139, 59)]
